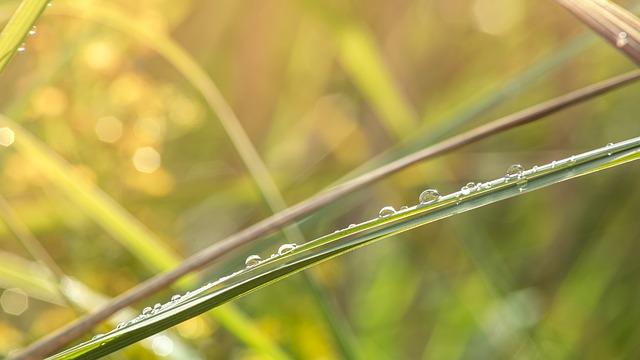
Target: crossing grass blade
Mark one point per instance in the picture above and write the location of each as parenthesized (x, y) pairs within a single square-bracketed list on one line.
[(516, 182)]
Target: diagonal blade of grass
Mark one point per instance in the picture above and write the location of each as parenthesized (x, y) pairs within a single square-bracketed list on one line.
[(123, 227), (618, 26), (285, 264), (306, 207), (18, 27)]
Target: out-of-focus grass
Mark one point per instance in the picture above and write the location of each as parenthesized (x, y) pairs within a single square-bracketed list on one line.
[(279, 68)]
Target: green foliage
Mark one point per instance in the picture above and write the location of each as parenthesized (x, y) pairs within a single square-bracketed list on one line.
[(147, 131)]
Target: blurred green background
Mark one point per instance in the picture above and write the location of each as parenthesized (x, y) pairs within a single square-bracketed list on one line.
[(321, 88)]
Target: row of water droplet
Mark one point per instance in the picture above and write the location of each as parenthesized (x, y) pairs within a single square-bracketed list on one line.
[(515, 173)]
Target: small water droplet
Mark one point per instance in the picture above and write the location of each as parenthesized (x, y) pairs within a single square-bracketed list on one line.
[(404, 207), (22, 47), (33, 31), (146, 310), (387, 211), (156, 308), (553, 164), (120, 326), (97, 336), (49, 4), (572, 160), (286, 248), (176, 297), (458, 199), (352, 225), (622, 39), (522, 183), (252, 260), (535, 169), (429, 195), (609, 145), (514, 170)]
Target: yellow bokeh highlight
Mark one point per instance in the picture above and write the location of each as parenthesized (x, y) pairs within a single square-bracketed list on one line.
[(6, 136), (497, 17), (50, 102), (101, 56), (14, 301), (146, 160), (109, 129)]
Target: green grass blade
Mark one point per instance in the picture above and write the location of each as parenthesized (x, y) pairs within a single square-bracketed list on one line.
[(17, 29), (516, 182)]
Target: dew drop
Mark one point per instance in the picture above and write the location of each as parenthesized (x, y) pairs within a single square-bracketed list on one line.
[(157, 306), (286, 248), (22, 47), (466, 190), (387, 211), (553, 164), (49, 4), (120, 326), (522, 183), (97, 336), (405, 207), (535, 169), (515, 170), (428, 196), (252, 260), (176, 297), (352, 226), (572, 160), (33, 31), (609, 145), (146, 310), (622, 39)]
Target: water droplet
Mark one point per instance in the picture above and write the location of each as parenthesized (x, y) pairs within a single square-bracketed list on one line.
[(176, 297), (22, 47), (428, 196), (622, 39), (466, 190), (146, 310), (515, 170), (553, 164), (156, 308), (458, 200), (252, 260), (609, 145), (49, 4), (120, 326), (97, 336), (286, 248), (352, 226), (535, 169), (572, 160), (405, 207), (387, 211), (33, 30)]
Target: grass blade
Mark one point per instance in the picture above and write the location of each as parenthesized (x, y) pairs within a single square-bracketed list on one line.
[(516, 182), (615, 24), (17, 29)]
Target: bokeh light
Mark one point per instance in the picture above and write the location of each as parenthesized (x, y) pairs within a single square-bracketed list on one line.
[(109, 129), (146, 160), (14, 301), (7, 136)]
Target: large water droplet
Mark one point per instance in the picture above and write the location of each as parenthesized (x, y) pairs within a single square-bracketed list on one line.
[(286, 248), (33, 30), (387, 211), (515, 170), (622, 40), (429, 195), (252, 260), (466, 190)]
